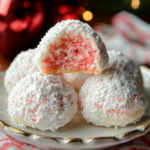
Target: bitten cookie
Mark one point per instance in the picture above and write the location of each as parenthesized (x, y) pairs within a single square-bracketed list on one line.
[(71, 46)]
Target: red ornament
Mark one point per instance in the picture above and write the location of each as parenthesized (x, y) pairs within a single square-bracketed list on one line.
[(19, 25)]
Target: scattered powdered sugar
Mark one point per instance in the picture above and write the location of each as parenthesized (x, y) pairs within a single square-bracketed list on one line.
[(76, 28), (119, 61), (46, 102), (114, 95), (76, 79), (22, 65)]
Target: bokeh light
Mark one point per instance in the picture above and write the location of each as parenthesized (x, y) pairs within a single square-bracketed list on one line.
[(87, 16), (81, 10), (26, 4), (65, 9), (39, 5), (18, 25), (70, 16), (135, 4)]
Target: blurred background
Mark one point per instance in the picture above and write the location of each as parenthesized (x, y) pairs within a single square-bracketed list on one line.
[(122, 24)]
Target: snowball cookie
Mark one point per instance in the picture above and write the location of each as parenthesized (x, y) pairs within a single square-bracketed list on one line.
[(120, 61), (71, 46), (45, 102), (76, 79), (22, 65), (112, 98)]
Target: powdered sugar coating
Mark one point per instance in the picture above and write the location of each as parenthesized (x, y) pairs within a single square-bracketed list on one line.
[(22, 65), (76, 79), (71, 46), (119, 61), (46, 102), (112, 98)]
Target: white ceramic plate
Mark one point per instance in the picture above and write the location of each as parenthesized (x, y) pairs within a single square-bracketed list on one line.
[(77, 134)]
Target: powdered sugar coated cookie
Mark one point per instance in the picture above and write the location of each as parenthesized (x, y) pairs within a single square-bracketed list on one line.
[(112, 98), (76, 79), (45, 102), (22, 65), (119, 61)]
